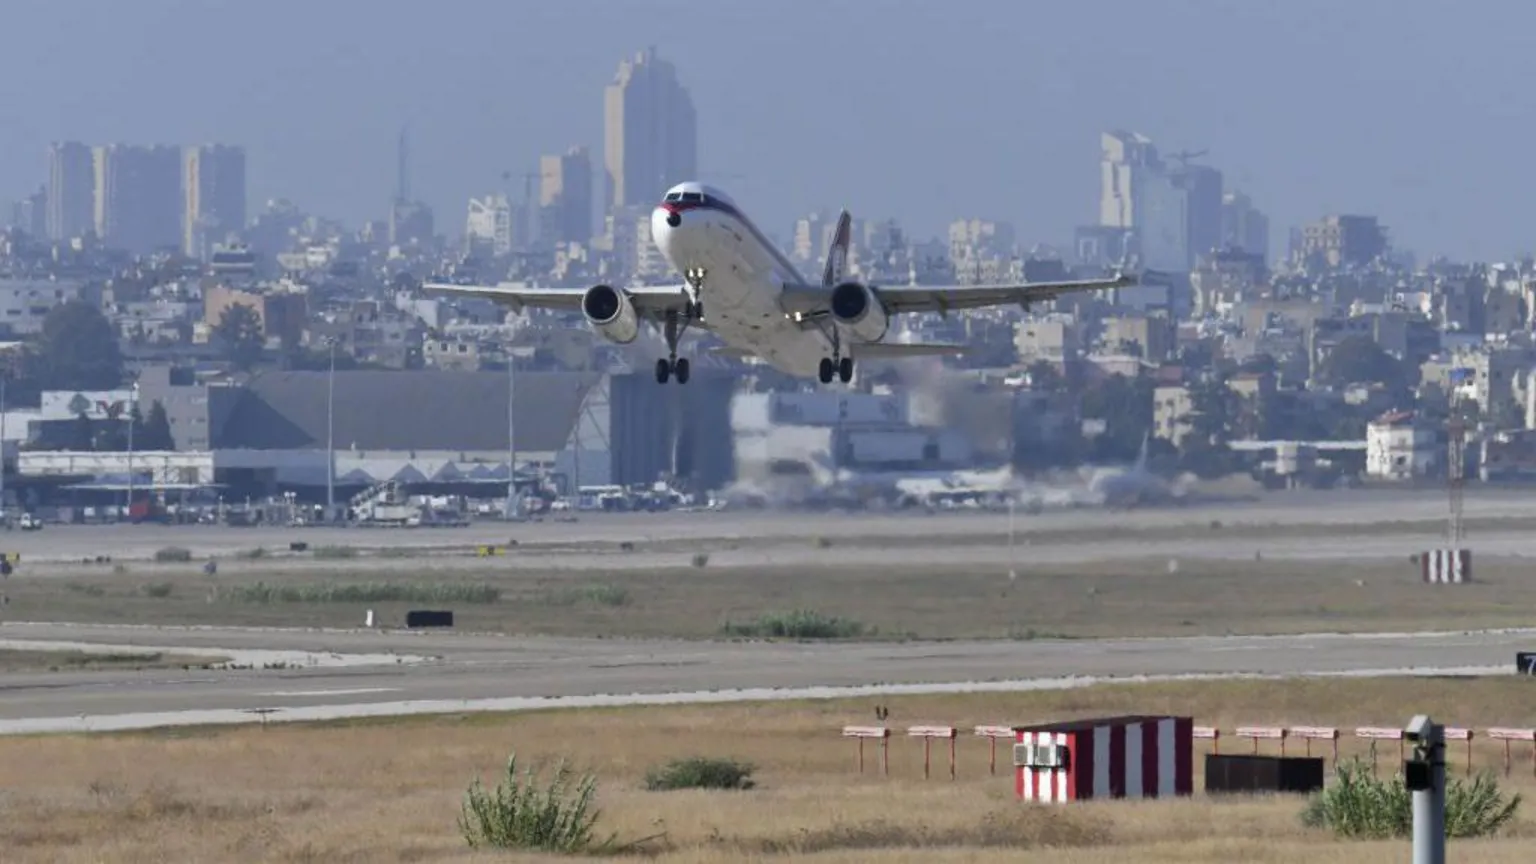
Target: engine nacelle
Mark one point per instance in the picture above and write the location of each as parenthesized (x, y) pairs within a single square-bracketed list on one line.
[(611, 313), (857, 309)]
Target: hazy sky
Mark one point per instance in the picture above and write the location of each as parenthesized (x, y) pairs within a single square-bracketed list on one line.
[(1418, 111)]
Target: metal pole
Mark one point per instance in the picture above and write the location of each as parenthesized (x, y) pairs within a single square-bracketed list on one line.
[(330, 437), (1429, 798), (132, 405), (5, 375), (511, 437), (1013, 574)]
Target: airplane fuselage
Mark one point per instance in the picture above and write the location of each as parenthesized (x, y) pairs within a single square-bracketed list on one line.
[(744, 277)]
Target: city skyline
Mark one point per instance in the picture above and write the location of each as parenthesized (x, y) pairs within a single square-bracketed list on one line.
[(884, 138)]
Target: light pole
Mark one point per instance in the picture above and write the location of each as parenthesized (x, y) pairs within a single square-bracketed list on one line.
[(330, 435), (5, 374), (133, 404), (511, 438)]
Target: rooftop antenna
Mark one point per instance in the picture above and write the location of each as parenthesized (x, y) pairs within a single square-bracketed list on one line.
[(402, 167)]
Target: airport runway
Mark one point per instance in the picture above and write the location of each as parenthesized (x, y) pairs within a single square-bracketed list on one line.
[(472, 672)]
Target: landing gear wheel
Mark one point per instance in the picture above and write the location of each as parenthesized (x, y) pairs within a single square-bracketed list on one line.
[(826, 370), (680, 369), (663, 370), (845, 370)]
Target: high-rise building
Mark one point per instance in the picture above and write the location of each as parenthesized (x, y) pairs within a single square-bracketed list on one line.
[(650, 132), (1244, 226), (1202, 188), (488, 225), (214, 183), (565, 197), (30, 214), (138, 197), (1169, 215), (71, 195)]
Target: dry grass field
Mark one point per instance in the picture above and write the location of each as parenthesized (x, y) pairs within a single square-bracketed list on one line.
[(933, 600), (389, 791)]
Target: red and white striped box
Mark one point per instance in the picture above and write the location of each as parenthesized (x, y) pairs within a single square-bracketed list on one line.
[(1111, 757)]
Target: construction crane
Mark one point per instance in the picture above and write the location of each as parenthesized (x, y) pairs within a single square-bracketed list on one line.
[(1183, 156)]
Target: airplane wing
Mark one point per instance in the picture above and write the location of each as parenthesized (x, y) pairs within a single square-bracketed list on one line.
[(651, 301), (812, 300)]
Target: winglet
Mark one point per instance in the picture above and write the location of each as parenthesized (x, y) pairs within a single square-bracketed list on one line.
[(837, 251)]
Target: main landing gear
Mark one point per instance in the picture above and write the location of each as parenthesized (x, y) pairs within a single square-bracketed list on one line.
[(676, 323), (841, 367), (671, 365)]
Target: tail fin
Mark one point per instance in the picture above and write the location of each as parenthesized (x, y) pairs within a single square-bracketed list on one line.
[(837, 251)]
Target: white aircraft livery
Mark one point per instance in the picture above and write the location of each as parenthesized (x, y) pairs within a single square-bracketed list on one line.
[(740, 287)]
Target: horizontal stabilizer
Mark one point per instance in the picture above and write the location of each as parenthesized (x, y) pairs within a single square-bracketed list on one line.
[(892, 350)]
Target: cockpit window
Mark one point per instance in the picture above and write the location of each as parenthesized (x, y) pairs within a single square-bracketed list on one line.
[(693, 198), (674, 197)]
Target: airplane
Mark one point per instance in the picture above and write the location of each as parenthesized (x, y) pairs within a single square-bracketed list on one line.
[(758, 303)]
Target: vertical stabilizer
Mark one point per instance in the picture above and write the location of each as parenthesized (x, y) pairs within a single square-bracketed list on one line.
[(837, 251)]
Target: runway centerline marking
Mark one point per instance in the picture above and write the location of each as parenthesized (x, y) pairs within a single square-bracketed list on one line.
[(351, 691)]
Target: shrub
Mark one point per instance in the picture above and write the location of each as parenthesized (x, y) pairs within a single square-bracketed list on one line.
[(1359, 805), (252, 554), (523, 813), (173, 555), (700, 773), (800, 624), (334, 552), (158, 590), (607, 595), (701, 559)]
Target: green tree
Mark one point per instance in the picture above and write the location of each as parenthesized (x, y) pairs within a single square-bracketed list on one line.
[(1125, 406), (239, 329), (155, 433), (1359, 360), (79, 349), (1043, 375)]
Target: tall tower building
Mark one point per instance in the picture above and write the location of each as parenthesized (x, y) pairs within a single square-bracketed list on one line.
[(71, 185), (488, 225), (138, 196), (1243, 225), (650, 132), (214, 182), (565, 197)]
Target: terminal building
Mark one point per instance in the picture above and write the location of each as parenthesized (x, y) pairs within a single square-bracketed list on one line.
[(269, 435), (446, 432)]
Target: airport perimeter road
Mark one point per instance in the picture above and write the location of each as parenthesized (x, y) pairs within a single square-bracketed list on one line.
[(469, 667), (65, 543)]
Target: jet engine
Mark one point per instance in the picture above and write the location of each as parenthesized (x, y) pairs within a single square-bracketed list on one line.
[(611, 313), (857, 308)]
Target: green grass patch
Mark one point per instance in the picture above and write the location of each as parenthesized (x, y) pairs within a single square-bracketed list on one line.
[(800, 624), (334, 553), (365, 592), (700, 773)]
